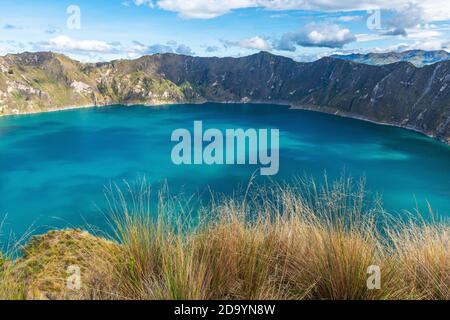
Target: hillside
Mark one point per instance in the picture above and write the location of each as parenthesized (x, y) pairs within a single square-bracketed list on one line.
[(419, 58), (398, 94), (322, 245)]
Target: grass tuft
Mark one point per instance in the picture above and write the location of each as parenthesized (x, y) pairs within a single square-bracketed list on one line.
[(298, 241)]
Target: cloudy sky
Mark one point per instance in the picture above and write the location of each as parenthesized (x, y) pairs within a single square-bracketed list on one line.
[(302, 29)]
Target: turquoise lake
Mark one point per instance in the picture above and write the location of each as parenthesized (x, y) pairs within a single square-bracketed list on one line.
[(54, 166)]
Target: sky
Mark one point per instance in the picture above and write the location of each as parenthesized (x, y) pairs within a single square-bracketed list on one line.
[(304, 30)]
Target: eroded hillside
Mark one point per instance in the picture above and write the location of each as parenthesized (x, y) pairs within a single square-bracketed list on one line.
[(399, 94)]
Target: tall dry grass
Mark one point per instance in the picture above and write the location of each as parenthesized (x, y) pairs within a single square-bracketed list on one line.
[(301, 241), (297, 241)]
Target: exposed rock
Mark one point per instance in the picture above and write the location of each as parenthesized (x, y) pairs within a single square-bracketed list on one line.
[(81, 87), (398, 94)]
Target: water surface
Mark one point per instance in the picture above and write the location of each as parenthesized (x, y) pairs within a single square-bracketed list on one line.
[(54, 166)]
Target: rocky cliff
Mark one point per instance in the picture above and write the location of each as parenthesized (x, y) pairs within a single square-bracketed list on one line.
[(398, 94)]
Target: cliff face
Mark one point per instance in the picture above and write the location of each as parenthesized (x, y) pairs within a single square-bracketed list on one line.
[(398, 94)]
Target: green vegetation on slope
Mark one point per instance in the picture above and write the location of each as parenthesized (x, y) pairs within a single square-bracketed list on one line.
[(37, 82), (398, 94)]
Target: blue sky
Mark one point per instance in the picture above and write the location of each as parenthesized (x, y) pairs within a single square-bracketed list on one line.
[(302, 29)]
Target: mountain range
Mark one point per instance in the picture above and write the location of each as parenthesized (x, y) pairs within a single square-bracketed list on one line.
[(398, 94), (419, 58)]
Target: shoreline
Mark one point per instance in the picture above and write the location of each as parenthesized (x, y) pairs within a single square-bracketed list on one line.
[(292, 106), (387, 124), (85, 106)]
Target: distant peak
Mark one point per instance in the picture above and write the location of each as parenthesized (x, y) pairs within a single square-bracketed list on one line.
[(265, 53), (418, 58)]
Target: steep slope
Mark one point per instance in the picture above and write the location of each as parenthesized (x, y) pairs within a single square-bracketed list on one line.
[(398, 94)]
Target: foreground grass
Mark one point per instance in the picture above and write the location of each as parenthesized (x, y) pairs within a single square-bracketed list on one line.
[(282, 242)]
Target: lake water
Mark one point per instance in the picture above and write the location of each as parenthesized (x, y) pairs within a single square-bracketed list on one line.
[(54, 166)]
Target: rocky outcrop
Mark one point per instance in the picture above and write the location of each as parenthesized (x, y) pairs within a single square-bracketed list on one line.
[(397, 94)]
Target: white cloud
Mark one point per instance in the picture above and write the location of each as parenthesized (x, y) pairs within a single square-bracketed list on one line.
[(410, 17), (203, 9), (66, 44), (144, 2), (433, 10), (148, 3), (407, 18), (11, 46), (316, 35), (431, 45), (184, 49), (349, 18), (423, 33), (11, 27), (211, 49), (255, 43), (364, 37), (137, 49)]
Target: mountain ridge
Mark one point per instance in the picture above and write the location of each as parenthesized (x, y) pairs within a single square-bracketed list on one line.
[(419, 58), (397, 94)]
